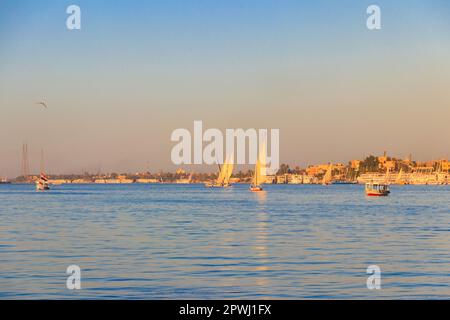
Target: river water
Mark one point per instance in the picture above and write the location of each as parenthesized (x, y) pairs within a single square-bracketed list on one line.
[(190, 242)]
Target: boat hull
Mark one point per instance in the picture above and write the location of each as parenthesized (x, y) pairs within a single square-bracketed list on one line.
[(207, 185), (256, 189), (377, 190), (42, 187), (377, 194)]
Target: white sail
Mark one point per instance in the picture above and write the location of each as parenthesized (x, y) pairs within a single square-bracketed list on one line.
[(228, 170), (399, 179), (328, 175), (259, 176), (220, 178), (388, 175)]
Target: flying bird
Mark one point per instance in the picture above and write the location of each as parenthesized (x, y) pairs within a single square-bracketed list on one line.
[(42, 104)]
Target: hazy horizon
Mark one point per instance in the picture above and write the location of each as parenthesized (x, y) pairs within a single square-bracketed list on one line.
[(135, 72)]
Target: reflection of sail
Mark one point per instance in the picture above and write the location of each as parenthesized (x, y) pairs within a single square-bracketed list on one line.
[(261, 250), (261, 197)]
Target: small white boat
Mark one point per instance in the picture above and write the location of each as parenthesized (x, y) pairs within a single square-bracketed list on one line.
[(225, 172), (377, 189), (5, 181), (259, 176), (42, 183)]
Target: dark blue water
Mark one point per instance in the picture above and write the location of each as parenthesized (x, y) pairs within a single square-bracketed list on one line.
[(174, 241)]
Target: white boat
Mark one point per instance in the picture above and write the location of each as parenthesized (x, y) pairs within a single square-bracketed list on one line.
[(42, 183), (377, 189), (5, 181)]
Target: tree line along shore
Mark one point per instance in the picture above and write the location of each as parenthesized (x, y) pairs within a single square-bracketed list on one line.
[(372, 168)]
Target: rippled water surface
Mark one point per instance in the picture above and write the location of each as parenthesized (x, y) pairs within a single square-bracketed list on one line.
[(174, 241)]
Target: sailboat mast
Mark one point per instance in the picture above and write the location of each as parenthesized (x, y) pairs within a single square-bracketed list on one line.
[(42, 160), (256, 172)]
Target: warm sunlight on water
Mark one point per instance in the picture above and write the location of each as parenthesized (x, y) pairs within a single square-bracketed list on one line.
[(173, 241)]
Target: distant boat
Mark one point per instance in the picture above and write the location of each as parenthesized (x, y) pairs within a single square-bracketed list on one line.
[(327, 178), (5, 181), (377, 189), (259, 175), (225, 172), (42, 183), (228, 172), (345, 182), (399, 179), (349, 178)]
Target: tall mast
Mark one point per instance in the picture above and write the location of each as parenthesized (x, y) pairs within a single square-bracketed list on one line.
[(42, 160), (25, 162)]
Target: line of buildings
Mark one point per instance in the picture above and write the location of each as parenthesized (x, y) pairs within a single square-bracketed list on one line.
[(371, 169)]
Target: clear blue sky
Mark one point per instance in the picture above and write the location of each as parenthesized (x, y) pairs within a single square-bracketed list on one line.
[(139, 69)]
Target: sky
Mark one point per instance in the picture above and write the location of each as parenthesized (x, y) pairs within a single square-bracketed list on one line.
[(136, 71)]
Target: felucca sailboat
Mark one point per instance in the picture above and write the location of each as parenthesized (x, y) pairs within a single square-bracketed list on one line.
[(225, 172), (327, 178), (259, 176), (42, 183), (399, 179)]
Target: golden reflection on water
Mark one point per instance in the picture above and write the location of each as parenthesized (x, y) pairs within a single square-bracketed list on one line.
[(261, 197), (261, 247)]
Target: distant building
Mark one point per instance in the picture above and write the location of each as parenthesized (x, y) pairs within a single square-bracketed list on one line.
[(354, 164), (295, 179), (317, 169), (389, 165), (444, 165), (282, 179), (382, 161)]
